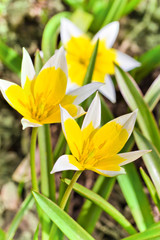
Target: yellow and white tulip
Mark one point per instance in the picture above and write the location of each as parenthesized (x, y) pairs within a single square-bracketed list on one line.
[(95, 148), (79, 48), (38, 97)]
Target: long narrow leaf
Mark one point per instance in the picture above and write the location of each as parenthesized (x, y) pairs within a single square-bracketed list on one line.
[(151, 160), (153, 94), (132, 189), (112, 11), (28, 202), (90, 69), (102, 203), (151, 188), (90, 212), (134, 99), (35, 237), (66, 224), (149, 234)]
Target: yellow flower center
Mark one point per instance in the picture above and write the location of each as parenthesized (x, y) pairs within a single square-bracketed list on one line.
[(79, 51)]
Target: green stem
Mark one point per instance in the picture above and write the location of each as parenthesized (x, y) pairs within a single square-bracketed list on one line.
[(43, 162), (51, 177), (62, 205), (32, 159), (69, 189)]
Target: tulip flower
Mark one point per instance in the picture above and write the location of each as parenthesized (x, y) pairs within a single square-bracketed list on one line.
[(38, 98), (79, 48), (95, 148)]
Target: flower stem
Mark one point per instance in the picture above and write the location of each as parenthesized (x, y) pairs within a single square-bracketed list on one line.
[(51, 177), (54, 229), (69, 189), (32, 159)]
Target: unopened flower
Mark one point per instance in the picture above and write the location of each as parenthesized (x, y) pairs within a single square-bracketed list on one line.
[(79, 48), (38, 97), (95, 148)]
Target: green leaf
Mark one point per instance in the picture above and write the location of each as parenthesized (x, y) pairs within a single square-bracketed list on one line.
[(150, 187), (35, 237), (90, 69), (149, 234), (50, 35), (153, 94), (2, 235), (28, 202), (113, 11), (66, 224), (90, 212), (10, 58), (132, 189), (99, 10), (149, 61), (151, 160), (134, 99), (103, 204)]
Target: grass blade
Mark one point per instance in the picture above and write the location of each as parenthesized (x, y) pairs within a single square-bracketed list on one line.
[(103, 204), (66, 224)]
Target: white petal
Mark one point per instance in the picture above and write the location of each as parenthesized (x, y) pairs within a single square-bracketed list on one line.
[(58, 60), (132, 156), (84, 92), (93, 114), (126, 62), (26, 123), (27, 69), (109, 33), (63, 164), (4, 85), (127, 121), (108, 90), (68, 29), (112, 173)]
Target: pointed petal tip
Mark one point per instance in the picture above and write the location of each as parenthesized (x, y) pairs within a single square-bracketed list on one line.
[(26, 123)]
